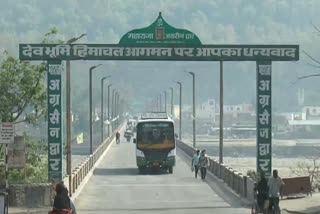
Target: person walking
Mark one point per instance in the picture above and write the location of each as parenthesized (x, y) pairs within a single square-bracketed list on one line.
[(118, 137), (195, 163), (274, 184), (262, 193), (203, 164)]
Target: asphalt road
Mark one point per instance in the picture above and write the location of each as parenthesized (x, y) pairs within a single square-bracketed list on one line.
[(116, 187)]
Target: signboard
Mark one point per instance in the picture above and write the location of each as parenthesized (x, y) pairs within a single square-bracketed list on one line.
[(160, 32), (6, 133), (165, 52), (16, 153), (264, 128), (54, 121)]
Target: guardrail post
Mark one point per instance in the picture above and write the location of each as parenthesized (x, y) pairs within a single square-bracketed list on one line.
[(245, 186)]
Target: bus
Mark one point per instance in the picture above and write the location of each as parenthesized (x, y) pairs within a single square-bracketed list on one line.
[(155, 143)]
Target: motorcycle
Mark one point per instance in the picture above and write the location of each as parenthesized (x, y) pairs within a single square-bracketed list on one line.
[(128, 139)]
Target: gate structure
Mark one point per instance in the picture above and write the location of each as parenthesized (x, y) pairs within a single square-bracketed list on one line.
[(162, 42)]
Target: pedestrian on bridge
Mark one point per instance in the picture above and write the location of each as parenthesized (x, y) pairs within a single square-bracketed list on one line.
[(203, 164), (275, 183), (62, 203), (195, 163)]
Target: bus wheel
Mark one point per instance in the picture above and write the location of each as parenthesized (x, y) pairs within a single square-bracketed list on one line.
[(170, 169), (141, 170)]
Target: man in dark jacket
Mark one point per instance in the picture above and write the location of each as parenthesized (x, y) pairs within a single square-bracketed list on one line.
[(262, 189)]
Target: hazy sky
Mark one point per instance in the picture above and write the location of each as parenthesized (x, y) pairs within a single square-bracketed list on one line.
[(213, 21)]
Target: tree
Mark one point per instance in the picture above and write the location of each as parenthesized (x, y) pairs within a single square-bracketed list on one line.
[(22, 90), (315, 62), (23, 97), (311, 169)]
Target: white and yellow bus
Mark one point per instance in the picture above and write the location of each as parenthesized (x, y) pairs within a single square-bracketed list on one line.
[(155, 142)]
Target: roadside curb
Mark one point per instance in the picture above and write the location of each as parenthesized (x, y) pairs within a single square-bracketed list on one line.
[(32, 211), (297, 212)]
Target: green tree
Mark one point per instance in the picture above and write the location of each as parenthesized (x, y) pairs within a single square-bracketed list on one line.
[(23, 97), (36, 164), (22, 90)]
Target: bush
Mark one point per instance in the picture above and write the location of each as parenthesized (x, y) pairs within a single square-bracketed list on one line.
[(36, 164)]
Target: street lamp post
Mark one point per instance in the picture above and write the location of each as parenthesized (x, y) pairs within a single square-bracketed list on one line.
[(90, 103), (194, 108), (160, 102), (68, 108), (221, 115), (117, 110), (165, 101), (102, 113), (171, 101), (109, 109), (112, 109), (180, 112)]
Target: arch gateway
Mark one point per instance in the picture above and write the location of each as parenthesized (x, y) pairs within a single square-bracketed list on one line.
[(161, 42)]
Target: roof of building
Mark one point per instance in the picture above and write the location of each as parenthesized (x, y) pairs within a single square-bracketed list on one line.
[(304, 122)]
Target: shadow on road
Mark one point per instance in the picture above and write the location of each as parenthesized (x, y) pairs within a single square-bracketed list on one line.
[(154, 171), (116, 171), (128, 171)]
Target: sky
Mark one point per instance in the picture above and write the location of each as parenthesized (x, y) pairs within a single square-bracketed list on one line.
[(213, 21)]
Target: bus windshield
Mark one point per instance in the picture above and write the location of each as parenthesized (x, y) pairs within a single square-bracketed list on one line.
[(155, 133)]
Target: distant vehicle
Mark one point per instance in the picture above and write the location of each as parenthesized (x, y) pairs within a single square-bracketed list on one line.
[(155, 143), (128, 133), (131, 124)]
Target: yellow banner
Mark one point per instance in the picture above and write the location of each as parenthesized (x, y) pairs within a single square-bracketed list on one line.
[(80, 138)]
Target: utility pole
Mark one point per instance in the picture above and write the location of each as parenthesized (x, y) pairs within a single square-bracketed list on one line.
[(180, 112), (68, 108), (109, 109), (102, 113), (221, 115), (90, 104)]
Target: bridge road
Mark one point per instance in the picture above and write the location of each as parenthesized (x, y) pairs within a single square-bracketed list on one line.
[(116, 187)]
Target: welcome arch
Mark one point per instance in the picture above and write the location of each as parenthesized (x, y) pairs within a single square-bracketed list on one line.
[(161, 42)]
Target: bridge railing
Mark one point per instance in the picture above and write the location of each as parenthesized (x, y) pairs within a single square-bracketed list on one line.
[(83, 169), (41, 195), (240, 184)]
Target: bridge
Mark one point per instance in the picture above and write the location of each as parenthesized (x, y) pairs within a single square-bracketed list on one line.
[(116, 186), (107, 181)]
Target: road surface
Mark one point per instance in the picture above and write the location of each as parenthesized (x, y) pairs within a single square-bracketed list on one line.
[(116, 187)]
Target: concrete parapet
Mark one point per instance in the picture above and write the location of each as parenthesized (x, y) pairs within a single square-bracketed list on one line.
[(239, 183), (42, 195)]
